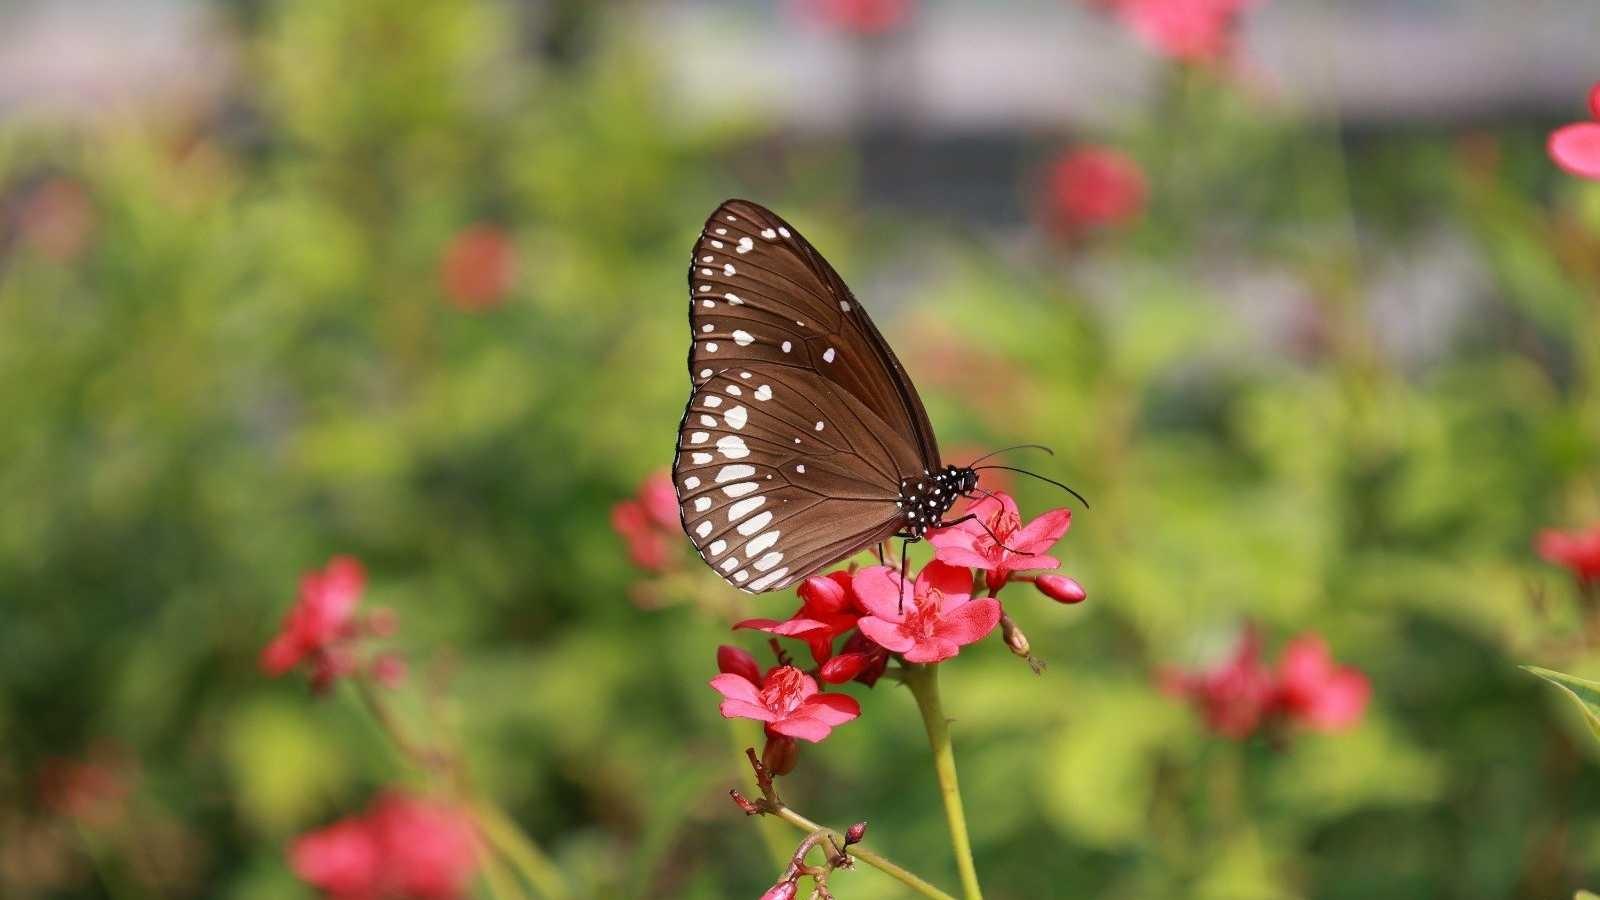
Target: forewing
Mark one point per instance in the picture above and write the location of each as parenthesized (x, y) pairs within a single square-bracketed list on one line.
[(759, 292)]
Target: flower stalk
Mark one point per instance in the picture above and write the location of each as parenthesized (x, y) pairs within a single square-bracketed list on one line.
[(924, 684)]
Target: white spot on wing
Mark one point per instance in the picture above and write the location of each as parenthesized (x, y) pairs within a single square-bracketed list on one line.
[(732, 446), (743, 338), (736, 417), (761, 542), (704, 528), (844, 306), (740, 575), (740, 489), (828, 355), (722, 231), (801, 468), (768, 561), (769, 234), (735, 299), (787, 346), (745, 507), (712, 401), (820, 425), (708, 421), (705, 373), (727, 269), (755, 523), (734, 473), (717, 546), (700, 459), (764, 393), (699, 437), (705, 288), (701, 504), (730, 564), (691, 483), (783, 231), (711, 346), (734, 390), (765, 581), (717, 244), (745, 245)]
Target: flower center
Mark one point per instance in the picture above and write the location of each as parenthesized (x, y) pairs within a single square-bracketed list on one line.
[(923, 618), (1004, 525), (781, 692)]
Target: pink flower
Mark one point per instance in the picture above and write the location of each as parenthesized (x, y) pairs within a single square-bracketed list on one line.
[(786, 699), (401, 848), (478, 268), (998, 543), (861, 660), (1578, 550), (1576, 147), (648, 522), (57, 219), (867, 18), (828, 609), (1184, 30), (93, 791), (1241, 694), (1234, 696), (1317, 693), (783, 890), (1091, 188), (320, 624), (928, 622)]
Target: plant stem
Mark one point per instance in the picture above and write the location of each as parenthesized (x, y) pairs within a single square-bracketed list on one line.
[(924, 684), (872, 859), (524, 855)]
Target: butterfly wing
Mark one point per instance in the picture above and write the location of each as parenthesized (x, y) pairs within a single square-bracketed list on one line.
[(802, 422)]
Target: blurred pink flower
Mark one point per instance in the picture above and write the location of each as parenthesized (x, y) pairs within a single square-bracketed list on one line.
[(926, 622), (829, 608), (783, 890), (1316, 692), (319, 624), (1578, 550), (785, 698), (861, 17), (1233, 696), (57, 219), (1184, 30), (402, 848), (1093, 187), (1242, 694), (998, 543), (1576, 147), (93, 790), (478, 268), (648, 522)]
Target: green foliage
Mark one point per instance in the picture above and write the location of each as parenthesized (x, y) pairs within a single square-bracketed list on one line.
[(1584, 693), (251, 365)]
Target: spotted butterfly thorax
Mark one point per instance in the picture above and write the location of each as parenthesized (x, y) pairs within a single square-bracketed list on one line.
[(803, 441)]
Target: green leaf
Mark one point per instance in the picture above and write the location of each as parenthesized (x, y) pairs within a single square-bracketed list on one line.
[(1585, 895), (1584, 692)]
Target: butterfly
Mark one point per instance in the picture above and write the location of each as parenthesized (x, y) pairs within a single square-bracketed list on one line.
[(804, 441)]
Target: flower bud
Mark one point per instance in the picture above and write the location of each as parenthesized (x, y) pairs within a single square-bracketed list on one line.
[(1060, 588), (844, 667), (783, 890), (389, 670), (734, 661), (780, 754), (1014, 638), (855, 833)]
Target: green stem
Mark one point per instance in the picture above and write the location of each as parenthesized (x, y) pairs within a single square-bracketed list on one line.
[(518, 849), (924, 684), (872, 859)]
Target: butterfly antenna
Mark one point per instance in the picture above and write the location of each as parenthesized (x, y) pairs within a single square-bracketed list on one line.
[(1041, 478), (1008, 449)]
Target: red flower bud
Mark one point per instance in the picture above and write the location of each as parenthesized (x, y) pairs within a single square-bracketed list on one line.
[(389, 670), (733, 661), (780, 754), (844, 667), (1060, 588), (743, 802), (855, 833)]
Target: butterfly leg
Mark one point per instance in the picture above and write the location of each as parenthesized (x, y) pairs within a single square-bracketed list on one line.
[(905, 541)]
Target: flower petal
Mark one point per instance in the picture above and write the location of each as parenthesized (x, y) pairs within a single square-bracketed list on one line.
[(885, 634), (969, 622), (735, 661), (1594, 100), (881, 594), (1038, 536), (740, 709), (963, 556), (833, 709), (1018, 562), (954, 582), (736, 687), (802, 727), (823, 596), (1576, 148), (932, 650)]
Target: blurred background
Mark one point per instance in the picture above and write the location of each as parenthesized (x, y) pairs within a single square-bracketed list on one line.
[(1291, 287)]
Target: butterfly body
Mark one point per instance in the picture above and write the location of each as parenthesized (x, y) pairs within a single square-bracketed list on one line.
[(803, 441)]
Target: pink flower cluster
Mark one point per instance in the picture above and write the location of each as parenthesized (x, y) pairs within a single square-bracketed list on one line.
[(864, 18), (853, 622), (1194, 31), (1241, 695), (401, 848), (1576, 147), (1578, 551), (648, 522), (1089, 188), (478, 268), (323, 631)]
